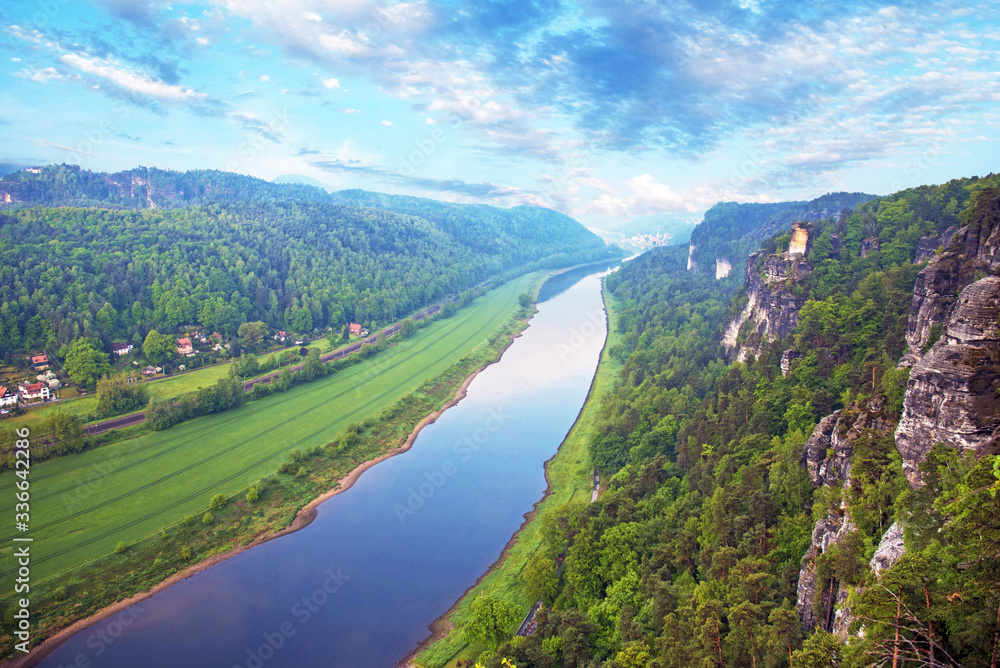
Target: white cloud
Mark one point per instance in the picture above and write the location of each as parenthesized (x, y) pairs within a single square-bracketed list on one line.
[(201, 41), (330, 84), (61, 147), (264, 77), (132, 81), (387, 123), (350, 110)]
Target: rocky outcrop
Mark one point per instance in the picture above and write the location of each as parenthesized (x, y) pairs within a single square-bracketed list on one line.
[(773, 307), (889, 549), (827, 532), (692, 263), (801, 241), (722, 268), (975, 248), (786, 361), (928, 245), (826, 456), (870, 246), (952, 394)]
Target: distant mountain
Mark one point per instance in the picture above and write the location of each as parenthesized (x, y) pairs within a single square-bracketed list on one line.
[(144, 188), (302, 180), (113, 256), (731, 231)]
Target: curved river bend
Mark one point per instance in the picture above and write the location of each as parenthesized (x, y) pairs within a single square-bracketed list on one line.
[(359, 586)]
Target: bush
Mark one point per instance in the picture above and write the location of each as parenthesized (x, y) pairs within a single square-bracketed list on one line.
[(189, 520), (301, 473), (285, 467), (207, 518), (252, 495), (120, 547), (60, 593), (186, 553), (218, 502)]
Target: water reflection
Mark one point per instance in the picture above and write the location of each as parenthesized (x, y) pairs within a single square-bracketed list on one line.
[(358, 587)]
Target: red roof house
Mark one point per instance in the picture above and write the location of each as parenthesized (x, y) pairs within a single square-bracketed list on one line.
[(355, 329)]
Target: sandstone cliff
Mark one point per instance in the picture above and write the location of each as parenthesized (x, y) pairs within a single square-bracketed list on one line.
[(773, 306), (975, 248), (952, 394), (827, 458)]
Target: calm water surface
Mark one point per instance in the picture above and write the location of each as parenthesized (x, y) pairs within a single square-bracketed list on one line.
[(358, 587)]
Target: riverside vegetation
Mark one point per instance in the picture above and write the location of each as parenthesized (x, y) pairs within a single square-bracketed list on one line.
[(260, 502), (694, 553)]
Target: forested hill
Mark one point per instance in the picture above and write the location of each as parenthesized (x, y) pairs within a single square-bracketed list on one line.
[(731, 231), (486, 229), (258, 252), (758, 513), (144, 188)]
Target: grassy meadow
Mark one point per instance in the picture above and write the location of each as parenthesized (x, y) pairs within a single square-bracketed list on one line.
[(83, 505)]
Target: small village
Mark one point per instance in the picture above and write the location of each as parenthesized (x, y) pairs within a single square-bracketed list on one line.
[(39, 379)]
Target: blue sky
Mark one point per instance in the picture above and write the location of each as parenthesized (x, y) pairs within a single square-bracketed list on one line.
[(607, 111)]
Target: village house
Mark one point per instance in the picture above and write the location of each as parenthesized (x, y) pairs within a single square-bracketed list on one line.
[(355, 329), (281, 336), (7, 397), (149, 371), (120, 348), (40, 362), (184, 347), (33, 391)]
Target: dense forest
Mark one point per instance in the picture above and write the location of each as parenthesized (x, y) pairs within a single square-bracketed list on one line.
[(692, 556), (244, 250)]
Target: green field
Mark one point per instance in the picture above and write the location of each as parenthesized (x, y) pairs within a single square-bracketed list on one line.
[(83, 505), (569, 475)]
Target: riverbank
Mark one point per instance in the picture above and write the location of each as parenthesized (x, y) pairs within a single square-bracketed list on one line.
[(286, 503), (569, 476)]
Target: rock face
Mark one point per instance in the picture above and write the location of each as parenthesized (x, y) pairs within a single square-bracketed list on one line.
[(826, 456), (722, 268), (801, 241), (974, 248), (889, 549), (692, 263), (928, 245), (773, 306), (827, 532), (952, 394)]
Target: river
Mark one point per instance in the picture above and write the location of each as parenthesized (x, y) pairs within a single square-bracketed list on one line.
[(359, 586)]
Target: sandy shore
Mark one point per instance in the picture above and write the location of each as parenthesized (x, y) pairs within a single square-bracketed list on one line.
[(302, 519)]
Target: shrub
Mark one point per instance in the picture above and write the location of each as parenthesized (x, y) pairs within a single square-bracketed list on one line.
[(120, 547), (189, 520), (252, 495), (186, 553), (207, 518), (301, 473), (60, 593), (285, 467), (218, 502)]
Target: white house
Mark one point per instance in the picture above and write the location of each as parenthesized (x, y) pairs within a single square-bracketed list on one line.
[(7, 398), (32, 391)]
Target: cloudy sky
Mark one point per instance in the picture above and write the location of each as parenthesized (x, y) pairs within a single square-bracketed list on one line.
[(605, 110)]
